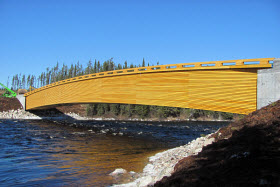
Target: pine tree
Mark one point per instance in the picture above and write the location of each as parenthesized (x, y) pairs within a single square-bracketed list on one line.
[(111, 65), (143, 63), (89, 67), (95, 67), (125, 65), (98, 67), (105, 66), (119, 66), (23, 82), (70, 71), (47, 77)]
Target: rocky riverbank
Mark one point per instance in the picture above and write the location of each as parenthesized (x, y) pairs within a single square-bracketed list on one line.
[(162, 164), (22, 114), (245, 153), (55, 114)]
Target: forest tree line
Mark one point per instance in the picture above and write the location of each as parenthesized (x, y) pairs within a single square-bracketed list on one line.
[(58, 73)]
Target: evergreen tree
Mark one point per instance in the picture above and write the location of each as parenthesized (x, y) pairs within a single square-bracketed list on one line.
[(23, 82), (95, 67), (125, 65), (115, 109), (143, 63), (111, 65), (106, 66), (47, 77), (119, 66), (75, 70), (70, 71), (98, 67), (142, 110), (88, 68), (100, 110)]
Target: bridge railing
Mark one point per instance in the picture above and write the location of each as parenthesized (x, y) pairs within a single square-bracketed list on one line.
[(227, 64)]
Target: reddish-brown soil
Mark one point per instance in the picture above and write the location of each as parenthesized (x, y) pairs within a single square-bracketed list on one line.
[(246, 153), (9, 104)]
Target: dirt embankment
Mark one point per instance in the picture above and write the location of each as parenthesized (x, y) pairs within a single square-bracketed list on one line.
[(245, 153), (7, 104)]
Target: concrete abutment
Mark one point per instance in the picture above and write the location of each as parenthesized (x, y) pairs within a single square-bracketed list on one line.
[(21, 99), (268, 85)]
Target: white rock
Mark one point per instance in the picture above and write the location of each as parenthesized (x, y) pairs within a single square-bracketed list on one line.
[(198, 150), (148, 168), (118, 171), (145, 181), (209, 141), (132, 172)]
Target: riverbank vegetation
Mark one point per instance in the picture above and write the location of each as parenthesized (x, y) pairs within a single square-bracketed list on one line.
[(121, 111), (124, 111)]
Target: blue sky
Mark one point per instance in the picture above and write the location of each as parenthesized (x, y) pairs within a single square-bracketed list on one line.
[(36, 34)]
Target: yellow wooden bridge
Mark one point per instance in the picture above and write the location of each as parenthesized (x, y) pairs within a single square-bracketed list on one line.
[(227, 86)]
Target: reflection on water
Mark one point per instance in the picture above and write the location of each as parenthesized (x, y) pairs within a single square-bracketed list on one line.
[(82, 153)]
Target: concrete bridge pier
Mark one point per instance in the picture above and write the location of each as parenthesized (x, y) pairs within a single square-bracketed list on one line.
[(268, 85)]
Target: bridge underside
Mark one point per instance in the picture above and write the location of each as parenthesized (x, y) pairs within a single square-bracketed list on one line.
[(226, 90)]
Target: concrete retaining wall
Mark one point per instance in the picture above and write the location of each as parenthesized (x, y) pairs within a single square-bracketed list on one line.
[(268, 88)]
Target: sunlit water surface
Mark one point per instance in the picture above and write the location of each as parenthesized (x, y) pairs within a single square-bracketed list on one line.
[(83, 153)]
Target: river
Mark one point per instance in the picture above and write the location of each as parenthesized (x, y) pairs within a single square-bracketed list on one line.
[(83, 153)]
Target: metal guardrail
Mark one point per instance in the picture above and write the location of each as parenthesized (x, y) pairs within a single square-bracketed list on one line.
[(227, 64)]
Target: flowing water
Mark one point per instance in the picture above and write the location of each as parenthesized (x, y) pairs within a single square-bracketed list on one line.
[(83, 153)]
